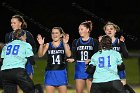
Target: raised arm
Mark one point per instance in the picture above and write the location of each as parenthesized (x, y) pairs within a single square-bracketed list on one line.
[(42, 47), (66, 45)]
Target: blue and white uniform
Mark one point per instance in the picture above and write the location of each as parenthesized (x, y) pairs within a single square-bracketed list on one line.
[(82, 51), (56, 74), (120, 47)]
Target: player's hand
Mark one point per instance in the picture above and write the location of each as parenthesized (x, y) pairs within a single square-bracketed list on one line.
[(70, 60), (122, 39), (99, 38), (87, 61), (65, 38), (40, 39)]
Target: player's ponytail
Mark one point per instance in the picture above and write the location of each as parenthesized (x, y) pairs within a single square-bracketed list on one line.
[(18, 33), (105, 43), (20, 18), (87, 24)]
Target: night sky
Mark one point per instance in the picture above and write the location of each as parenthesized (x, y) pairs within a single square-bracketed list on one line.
[(42, 15)]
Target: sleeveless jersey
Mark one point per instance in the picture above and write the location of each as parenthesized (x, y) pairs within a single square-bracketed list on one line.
[(56, 57), (84, 50)]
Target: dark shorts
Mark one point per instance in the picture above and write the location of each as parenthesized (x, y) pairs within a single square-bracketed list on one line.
[(108, 87), (1, 86), (17, 76)]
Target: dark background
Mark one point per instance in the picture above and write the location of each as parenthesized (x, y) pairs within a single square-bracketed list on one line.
[(42, 15)]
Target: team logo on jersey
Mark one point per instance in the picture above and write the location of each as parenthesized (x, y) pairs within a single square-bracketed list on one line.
[(85, 48), (116, 48), (55, 51)]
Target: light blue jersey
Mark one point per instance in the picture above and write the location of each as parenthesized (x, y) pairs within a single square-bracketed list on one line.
[(15, 54), (106, 63)]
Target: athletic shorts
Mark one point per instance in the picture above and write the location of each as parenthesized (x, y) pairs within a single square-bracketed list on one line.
[(80, 68), (29, 68), (122, 74), (108, 87), (56, 78)]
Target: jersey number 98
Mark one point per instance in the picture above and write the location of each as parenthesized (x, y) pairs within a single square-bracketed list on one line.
[(12, 49)]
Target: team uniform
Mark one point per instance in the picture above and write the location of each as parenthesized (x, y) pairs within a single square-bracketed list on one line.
[(82, 51), (56, 74), (120, 47), (29, 39), (14, 55), (106, 78)]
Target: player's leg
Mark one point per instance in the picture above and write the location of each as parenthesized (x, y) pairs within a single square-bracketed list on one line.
[(62, 89), (55, 78), (30, 72), (117, 87), (39, 88), (89, 83), (10, 88), (25, 82), (50, 89), (79, 84), (95, 88), (1, 86), (8, 80), (127, 87)]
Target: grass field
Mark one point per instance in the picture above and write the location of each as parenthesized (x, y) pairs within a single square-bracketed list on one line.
[(132, 72)]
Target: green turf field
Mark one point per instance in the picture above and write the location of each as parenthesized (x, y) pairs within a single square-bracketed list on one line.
[(132, 73)]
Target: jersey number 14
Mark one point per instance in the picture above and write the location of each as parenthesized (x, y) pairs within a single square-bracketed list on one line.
[(56, 59)]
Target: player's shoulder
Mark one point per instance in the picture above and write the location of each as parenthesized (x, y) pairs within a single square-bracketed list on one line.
[(94, 39), (75, 41), (28, 33), (114, 51), (26, 44), (97, 53)]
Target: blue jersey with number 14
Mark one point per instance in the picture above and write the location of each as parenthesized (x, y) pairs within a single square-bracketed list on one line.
[(106, 62), (15, 54)]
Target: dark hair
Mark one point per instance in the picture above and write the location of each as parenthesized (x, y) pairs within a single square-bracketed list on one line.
[(60, 29), (18, 33), (1, 46), (87, 24), (20, 18), (105, 43)]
